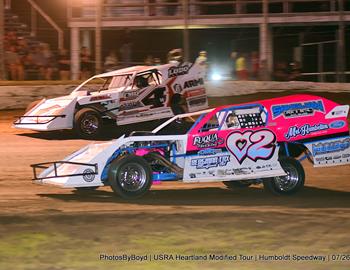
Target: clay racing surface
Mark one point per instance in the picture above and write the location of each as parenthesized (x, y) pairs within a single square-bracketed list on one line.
[(44, 227)]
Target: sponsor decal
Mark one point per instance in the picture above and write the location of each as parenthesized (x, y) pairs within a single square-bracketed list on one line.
[(210, 162), (240, 171), (320, 159), (305, 130), (177, 88), (209, 151), (101, 97), (337, 124), (297, 109), (197, 101), (193, 83), (330, 147), (210, 140), (128, 95), (88, 175), (203, 174), (254, 145), (129, 105), (195, 92), (179, 70)]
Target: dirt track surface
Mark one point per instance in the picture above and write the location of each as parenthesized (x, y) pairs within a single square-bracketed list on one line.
[(211, 217)]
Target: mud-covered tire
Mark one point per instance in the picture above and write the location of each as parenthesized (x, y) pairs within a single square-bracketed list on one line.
[(289, 184), (130, 176), (236, 184), (87, 123), (32, 105)]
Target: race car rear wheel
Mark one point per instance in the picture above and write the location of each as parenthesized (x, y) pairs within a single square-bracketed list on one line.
[(236, 184), (87, 123), (289, 184), (130, 176)]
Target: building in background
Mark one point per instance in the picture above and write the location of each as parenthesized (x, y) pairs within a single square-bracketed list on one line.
[(310, 34)]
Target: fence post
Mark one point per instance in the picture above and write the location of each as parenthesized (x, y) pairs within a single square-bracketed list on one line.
[(341, 46), (186, 35), (2, 33), (98, 38)]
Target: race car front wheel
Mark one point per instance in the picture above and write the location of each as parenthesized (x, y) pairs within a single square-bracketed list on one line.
[(130, 176), (87, 123), (290, 183)]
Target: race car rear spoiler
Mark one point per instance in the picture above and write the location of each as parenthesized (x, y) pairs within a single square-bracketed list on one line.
[(55, 164), (18, 120)]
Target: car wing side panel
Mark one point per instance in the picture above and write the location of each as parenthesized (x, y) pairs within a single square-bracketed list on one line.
[(330, 152)]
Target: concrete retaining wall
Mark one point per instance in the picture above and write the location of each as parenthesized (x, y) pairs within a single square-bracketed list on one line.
[(18, 97)]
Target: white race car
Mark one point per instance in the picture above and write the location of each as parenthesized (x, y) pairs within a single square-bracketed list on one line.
[(130, 95)]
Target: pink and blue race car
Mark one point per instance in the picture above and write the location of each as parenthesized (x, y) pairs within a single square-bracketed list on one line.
[(251, 143)]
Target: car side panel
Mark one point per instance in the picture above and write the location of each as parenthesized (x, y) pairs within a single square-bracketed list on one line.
[(232, 155)]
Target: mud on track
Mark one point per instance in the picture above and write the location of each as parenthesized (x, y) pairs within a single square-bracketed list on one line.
[(44, 227)]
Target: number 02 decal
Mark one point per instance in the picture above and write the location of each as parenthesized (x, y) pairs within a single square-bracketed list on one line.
[(251, 144)]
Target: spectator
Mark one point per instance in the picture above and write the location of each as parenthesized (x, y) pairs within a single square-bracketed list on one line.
[(295, 71), (11, 38), (281, 72), (233, 57), (263, 71), (202, 62), (50, 61), (30, 68), (22, 47), (171, 9), (63, 65), (148, 61), (157, 61), (254, 65), (85, 64), (111, 61), (175, 56), (241, 68), (125, 53), (42, 58), (14, 64), (152, 9)]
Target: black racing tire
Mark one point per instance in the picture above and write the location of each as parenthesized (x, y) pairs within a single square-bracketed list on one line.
[(130, 176), (32, 105), (236, 184), (88, 123), (289, 184)]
